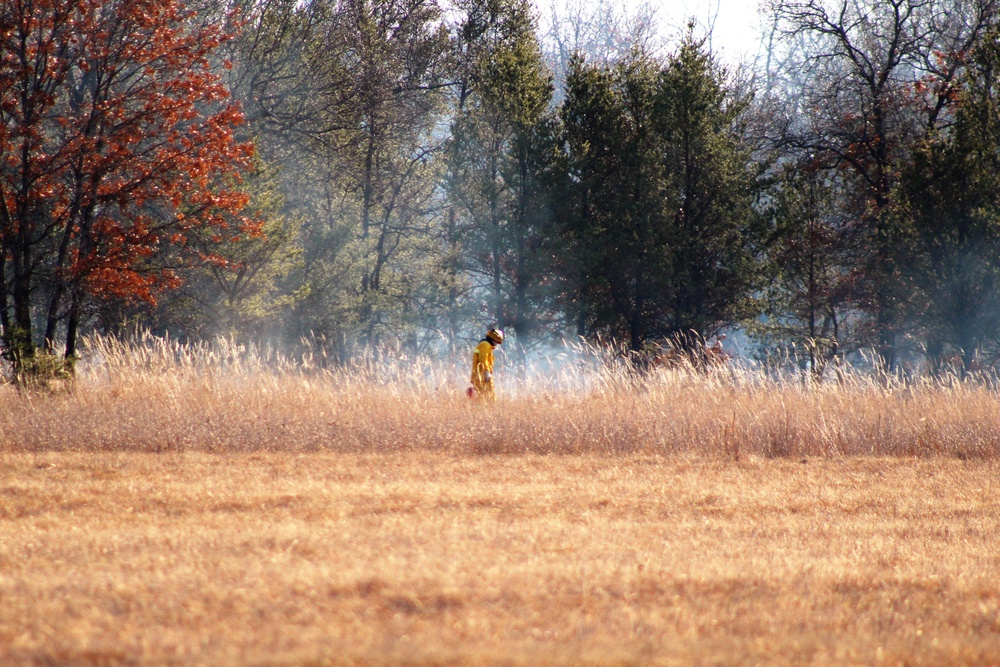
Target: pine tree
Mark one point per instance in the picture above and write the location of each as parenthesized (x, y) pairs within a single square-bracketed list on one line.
[(657, 212)]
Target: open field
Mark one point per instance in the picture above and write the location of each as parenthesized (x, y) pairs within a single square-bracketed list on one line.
[(182, 506), (425, 558)]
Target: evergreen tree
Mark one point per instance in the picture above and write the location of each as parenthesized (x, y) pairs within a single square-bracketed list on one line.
[(658, 212), (715, 234)]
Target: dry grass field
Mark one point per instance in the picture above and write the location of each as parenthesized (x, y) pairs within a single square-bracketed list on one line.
[(178, 509)]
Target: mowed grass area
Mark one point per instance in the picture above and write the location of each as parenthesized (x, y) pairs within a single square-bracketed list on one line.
[(423, 557)]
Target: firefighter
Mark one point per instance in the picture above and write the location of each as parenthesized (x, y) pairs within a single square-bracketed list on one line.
[(482, 365)]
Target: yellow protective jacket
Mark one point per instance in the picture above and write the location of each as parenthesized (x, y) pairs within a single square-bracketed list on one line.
[(482, 363)]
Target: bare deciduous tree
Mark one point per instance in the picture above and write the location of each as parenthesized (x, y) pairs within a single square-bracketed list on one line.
[(876, 77)]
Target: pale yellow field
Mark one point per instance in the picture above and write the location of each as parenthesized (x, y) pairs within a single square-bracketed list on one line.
[(423, 558), (182, 508)]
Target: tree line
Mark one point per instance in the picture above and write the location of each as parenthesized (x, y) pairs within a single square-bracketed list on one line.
[(373, 174)]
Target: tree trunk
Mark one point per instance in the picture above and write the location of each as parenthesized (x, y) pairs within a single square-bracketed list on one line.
[(4, 315), (73, 326), (22, 340)]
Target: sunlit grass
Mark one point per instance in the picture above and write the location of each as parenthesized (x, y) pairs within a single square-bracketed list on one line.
[(158, 395), (427, 558)]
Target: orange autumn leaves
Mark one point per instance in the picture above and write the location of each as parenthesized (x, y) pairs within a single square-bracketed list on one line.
[(117, 138)]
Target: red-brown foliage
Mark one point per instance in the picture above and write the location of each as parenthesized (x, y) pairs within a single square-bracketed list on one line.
[(116, 139)]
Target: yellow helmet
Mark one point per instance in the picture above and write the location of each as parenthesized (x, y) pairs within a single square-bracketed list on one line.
[(495, 335)]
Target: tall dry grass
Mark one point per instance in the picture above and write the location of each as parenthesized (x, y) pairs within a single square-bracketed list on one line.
[(158, 395)]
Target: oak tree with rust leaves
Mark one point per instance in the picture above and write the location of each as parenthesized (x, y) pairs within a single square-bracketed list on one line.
[(117, 140)]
